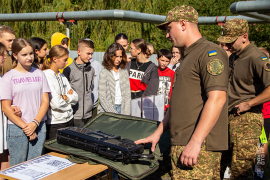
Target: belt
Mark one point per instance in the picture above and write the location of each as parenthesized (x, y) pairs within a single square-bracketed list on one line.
[(255, 109)]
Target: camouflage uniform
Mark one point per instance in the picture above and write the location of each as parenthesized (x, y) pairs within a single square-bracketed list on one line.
[(247, 79), (184, 12), (211, 75), (233, 29), (208, 165), (245, 131)]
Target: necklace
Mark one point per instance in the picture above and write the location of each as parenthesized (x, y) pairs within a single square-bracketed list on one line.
[(138, 66)]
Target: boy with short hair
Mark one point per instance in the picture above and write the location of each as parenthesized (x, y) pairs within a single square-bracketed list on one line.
[(80, 74), (7, 35), (165, 75)]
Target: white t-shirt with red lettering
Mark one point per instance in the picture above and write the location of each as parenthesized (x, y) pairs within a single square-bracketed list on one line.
[(25, 90)]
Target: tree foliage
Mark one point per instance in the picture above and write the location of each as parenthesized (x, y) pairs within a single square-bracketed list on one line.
[(102, 32)]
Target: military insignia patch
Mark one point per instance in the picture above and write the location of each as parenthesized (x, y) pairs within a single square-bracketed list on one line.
[(266, 66), (215, 67), (212, 53), (264, 58)]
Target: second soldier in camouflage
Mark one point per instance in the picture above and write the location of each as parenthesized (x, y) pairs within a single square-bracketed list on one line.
[(248, 89)]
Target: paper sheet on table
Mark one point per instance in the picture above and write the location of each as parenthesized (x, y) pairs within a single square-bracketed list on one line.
[(37, 168), (148, 107), (159, 103), (135, 107)]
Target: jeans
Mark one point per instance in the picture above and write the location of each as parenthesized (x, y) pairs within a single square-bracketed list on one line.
[(117, 107), (20, 148)]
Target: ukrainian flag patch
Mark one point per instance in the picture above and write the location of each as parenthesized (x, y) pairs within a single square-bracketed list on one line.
[(264, 58), (212, 53)]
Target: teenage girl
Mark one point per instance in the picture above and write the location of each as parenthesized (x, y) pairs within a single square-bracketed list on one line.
[(122, 39), (40, 51), (62, 97), (27, 88), (178, 54), (143, 74), (114, 87)]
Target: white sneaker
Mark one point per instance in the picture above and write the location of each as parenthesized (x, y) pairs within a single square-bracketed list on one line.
[(227, 173)]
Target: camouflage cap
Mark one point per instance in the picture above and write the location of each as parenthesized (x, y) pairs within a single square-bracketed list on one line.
[(179, 13), (233, 29)]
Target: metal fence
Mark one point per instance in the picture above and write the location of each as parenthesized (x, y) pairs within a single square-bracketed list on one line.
[(99, 56)]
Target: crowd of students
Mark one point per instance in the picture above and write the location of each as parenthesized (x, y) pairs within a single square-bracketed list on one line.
[(42, 92)]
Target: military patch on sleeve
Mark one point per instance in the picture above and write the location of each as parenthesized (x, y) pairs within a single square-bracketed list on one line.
[(212, 53), (215, 67), (266, 66), (264, 58)]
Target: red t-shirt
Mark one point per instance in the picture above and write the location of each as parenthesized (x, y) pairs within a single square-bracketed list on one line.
[(165, 84), (266, 110)]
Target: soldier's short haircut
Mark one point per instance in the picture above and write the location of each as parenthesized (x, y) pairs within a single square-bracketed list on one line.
[(6, 29)]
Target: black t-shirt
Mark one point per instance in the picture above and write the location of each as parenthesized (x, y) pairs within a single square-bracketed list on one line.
[(139, 66)]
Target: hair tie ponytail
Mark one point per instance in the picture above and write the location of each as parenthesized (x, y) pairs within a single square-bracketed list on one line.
[(46, 64), (148, 52)]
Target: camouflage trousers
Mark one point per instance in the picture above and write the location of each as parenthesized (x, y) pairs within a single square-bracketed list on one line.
[(207, 168), (245, 131)]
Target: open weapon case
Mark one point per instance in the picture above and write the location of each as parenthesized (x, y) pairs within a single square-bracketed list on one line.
[(129, 127)]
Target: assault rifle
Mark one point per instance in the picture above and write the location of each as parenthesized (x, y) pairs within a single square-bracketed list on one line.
[(104, 144)]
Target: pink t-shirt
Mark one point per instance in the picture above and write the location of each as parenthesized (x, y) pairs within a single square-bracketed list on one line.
[(25, 90)]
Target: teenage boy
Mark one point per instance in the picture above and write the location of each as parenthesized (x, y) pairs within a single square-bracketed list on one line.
[(61, 39), (7, 35), (165, 75), (80, 74)]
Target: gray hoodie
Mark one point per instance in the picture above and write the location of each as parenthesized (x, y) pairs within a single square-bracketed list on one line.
[(81, 79)]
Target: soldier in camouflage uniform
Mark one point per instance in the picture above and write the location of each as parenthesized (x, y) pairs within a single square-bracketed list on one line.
[(248, 89), (198, 114)]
